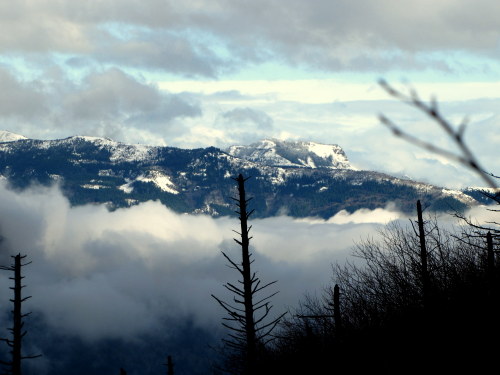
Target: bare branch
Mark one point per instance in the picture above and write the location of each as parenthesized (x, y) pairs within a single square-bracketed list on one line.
[(466, 157)]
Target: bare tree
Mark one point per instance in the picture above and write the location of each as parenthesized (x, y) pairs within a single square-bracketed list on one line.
[(247, 314), (17, 329), (170, 365)]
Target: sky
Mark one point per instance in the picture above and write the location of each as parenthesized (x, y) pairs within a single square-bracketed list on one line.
[(222, 72)]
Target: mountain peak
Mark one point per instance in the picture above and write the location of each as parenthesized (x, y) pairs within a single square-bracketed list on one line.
[(277, 153), (6, 136)]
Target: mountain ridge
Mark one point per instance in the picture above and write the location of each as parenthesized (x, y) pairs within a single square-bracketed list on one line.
[(298, 177)]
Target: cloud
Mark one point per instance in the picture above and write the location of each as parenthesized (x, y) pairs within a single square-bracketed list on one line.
[(108, 103), (39, 27), (18, 100), (244, 125), (99, 274), (247, 116), (115, 96), (162, 51), (364, 215), (201, 39)]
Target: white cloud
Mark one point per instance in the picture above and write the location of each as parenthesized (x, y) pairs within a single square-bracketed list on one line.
[(317, 91), (108, 103), (118, 274), (196, 38), (363, 215)]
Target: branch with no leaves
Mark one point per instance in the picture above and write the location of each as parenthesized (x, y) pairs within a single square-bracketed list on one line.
[(465, 157)]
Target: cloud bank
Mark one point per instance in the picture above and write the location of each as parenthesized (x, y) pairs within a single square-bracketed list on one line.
[(98, 274)]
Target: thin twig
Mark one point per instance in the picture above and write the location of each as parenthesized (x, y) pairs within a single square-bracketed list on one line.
[(465, 157)]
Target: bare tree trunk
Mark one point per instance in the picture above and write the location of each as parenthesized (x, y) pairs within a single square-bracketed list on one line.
[(247, 280), (247, 320), (17, 327), (336, 310), (170, 366), (491, 254), (17, 318), (423, 257), (490, 264)]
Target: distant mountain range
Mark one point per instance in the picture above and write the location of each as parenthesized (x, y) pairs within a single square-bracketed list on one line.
[(295, 178)]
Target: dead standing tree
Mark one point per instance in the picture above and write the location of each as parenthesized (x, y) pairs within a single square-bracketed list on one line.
[(15, 343), (247, 321), (425, 277)]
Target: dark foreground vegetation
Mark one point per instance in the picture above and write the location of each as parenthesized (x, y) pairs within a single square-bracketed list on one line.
[(397, 316), (419, 298)]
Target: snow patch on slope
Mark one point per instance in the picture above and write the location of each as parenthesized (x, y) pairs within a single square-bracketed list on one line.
[(276, 153), (128, 153), (161, 180), (158, 178), (127, 188), (121, 152), (6, 136), (460, 196)]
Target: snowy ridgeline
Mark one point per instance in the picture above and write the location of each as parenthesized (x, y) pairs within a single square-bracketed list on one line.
[(278, 153), (302, 177), (6, 136), (269, 152)]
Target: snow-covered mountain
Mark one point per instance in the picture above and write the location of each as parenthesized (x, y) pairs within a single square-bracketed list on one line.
[(276, 153), (296, 178)]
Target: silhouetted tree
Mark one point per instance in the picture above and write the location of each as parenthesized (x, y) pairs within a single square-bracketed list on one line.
[(247, 321), (17, 329), (170, 366), (336, 310), (425, 279)]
